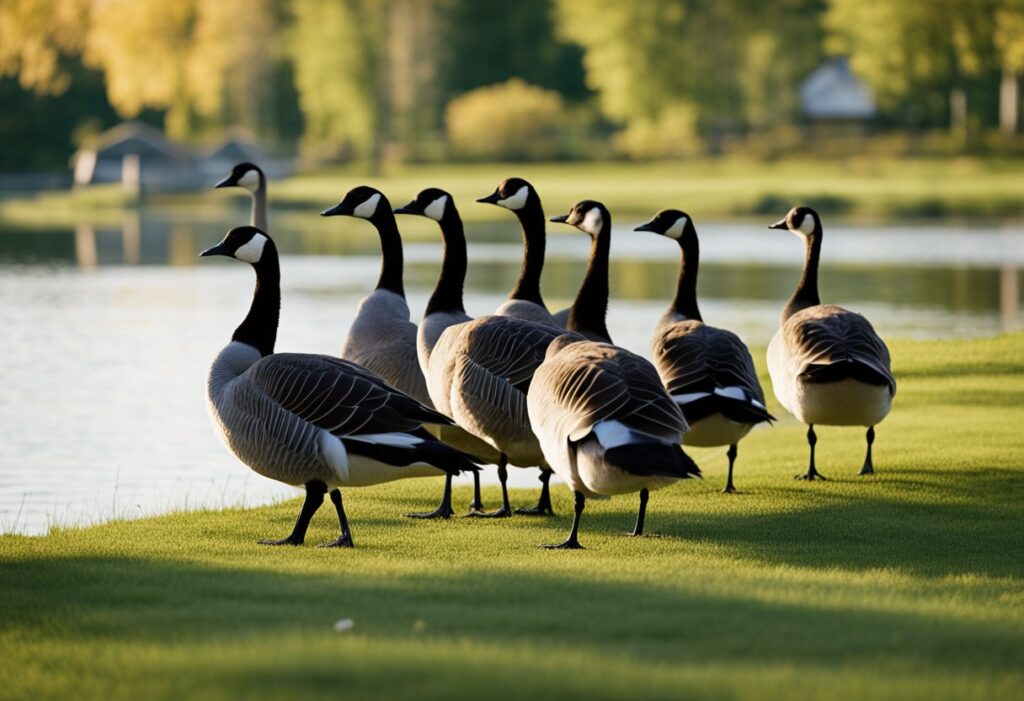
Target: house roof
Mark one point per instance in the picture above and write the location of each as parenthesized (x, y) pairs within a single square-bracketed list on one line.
[(832, 91), (135, 137)]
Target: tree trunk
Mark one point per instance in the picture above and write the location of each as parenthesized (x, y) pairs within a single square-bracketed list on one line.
[(1009, 103)]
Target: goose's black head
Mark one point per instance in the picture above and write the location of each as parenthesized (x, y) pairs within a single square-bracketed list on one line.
[(246, 243), (801, 220), (432, 203), (247, 175), (589, 216), (364, 202), (512, 193), (669, 222)]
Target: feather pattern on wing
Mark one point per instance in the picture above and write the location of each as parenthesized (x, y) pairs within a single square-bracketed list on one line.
[(694, 359), (336, 395), (588, 382), (827, 335), (488, 366)]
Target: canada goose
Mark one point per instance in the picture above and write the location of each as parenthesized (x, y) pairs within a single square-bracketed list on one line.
[(382, 338), (525, 300), (827, 364), (605, 422), (708, 371), (312, 420), (444, 309), (250, 177)]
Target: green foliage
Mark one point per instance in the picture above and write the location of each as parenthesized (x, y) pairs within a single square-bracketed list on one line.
[(905, 585), (511, 121)]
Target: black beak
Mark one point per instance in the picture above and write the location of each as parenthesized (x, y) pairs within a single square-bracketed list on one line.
[(338, 210), (219, 250), (411, 208), (560, 219), (781, 224), (228, 182), (649, 226), (491, 198)]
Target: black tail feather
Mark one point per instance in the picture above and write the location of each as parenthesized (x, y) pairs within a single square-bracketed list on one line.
[(844, 369), (648, 459), (734, 409), (430, 450)]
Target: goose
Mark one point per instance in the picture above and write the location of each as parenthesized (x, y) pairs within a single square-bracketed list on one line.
[(605, 422), (445, 308), (827, 364), (525, 300), (708, 371), (382, 338), (250, 177), (478, 371), (312, 420)]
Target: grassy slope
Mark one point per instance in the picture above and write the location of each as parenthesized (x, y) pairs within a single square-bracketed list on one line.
[(872, 187), (906, 585)]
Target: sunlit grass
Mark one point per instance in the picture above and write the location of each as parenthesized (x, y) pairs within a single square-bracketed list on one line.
[(909, 584)]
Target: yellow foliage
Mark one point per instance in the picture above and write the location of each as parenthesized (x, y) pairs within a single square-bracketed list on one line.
[(511, 120)]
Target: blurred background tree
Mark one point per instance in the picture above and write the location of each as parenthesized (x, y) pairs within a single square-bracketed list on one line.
[(373, 81)]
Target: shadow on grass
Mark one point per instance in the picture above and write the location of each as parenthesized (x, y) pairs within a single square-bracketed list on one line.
[(144, 601)]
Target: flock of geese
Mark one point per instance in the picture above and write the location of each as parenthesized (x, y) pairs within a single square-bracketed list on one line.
[(521, 387)]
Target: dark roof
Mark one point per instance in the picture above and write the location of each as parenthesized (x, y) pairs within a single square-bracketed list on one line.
[(135, 137)]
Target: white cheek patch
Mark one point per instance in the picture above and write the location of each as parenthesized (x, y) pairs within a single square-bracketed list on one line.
[(435, 210), (676, 230), (516, 201), (250, 181), (807, 225), (369, 208), (252, 251), (592, 222)]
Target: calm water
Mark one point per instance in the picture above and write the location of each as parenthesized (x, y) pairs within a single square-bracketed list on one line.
[(107, 332)]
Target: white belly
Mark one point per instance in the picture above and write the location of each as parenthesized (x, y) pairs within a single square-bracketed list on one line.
[(599, 478), (715, 430), (845, 403)]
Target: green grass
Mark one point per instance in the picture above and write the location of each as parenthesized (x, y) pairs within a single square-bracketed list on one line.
[(871, 187), (909, 584)]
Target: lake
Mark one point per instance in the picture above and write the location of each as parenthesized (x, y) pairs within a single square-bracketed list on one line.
[(108, 332)]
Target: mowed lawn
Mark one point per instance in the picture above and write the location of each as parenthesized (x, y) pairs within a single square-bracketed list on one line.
[(909, 584)]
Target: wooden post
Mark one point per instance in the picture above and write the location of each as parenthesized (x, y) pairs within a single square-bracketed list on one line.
[(1009, 103), (131, 174)]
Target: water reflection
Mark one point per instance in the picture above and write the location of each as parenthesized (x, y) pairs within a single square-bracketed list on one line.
[(108, 330)]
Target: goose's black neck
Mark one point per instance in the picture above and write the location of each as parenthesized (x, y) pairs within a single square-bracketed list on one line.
[(806, 293), (259, 328), (685, 302), (587, 314), (391, 250), (532, 219), (447, 296)]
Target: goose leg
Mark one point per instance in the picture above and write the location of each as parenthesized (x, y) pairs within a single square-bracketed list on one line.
[(444, 509), (476, 507), (315, 490), (572, 542), (543, 507), (506, 509), (729, 488), (345, 539), (811, 474), (869, 467), (638, 529)]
